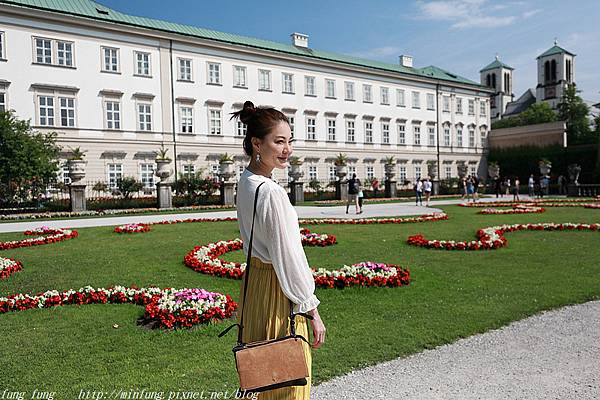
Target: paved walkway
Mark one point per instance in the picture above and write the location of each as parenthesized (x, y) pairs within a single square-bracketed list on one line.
[(369, 210), (553, 355)]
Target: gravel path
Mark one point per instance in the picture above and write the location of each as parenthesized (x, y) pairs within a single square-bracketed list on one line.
[(553, 355)]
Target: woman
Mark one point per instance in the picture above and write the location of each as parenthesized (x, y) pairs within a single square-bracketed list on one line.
[(470, 189), (418, 192), (427, 189), (353, 188), (279, 271), (516, 189)]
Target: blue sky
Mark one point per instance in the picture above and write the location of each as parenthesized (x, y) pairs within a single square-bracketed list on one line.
[(461, 36)]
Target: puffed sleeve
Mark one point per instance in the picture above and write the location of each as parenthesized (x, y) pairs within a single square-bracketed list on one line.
[(281, 230)]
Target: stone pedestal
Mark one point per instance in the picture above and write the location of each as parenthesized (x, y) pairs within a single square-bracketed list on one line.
[(390, 189), (227, 190), (78, 201), (164, 195), (296, 192), (341, 190), (435, 187)]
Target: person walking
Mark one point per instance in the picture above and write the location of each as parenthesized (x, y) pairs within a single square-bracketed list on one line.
[(375, 186), (353, 188), (475, 188), (498, 186), (418, 192), (361, 196), (508, 187), (531, 186), (516, 189), (278, 279), (463, 187), (470, 189), (427, 186)]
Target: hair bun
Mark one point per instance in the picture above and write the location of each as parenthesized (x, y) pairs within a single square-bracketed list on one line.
[(248, 112)]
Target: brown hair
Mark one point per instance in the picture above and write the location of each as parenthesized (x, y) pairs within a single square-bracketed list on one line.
[(259, 122)]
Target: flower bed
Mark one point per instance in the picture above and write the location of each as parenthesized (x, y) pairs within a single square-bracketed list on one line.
[(165, 308), (592, 206), (532, 203), (365, 221), (493, 237), (9, 266), (205, 259), (132, 228), (518, 209)]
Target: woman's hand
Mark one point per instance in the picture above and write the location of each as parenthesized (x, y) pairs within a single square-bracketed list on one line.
[(318, 329)]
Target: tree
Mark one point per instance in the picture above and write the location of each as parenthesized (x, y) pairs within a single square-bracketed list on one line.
[(575, 112), (537, 113), (28, 160), (128, 186)]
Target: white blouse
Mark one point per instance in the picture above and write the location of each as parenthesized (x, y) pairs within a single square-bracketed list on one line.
[(277, 237)]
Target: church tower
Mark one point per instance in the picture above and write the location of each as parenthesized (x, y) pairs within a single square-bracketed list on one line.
[(499, 77), (556, 69)]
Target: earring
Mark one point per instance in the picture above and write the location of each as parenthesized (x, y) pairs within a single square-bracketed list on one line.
[(258, 157)]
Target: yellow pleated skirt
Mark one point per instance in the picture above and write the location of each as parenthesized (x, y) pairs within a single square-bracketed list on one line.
[(267, 313)]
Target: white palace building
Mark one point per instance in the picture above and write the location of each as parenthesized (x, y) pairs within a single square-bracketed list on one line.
[(120, 86)]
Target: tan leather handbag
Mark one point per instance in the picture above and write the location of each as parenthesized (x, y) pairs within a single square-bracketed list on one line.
[(269, 364)]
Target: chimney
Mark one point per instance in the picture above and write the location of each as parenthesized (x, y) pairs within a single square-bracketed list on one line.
[(300, 40), (406, 61)]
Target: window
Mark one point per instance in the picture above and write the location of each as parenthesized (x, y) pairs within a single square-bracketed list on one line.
[(2, 101), (417, 134), (67, 111), (312, 172), (417, 172), (448, 171), (385, 96), (402, 173), (64, 175), (368, 132), (416, 100), (473, 169), (64, 52), (142, 63), (310, 88), (189, 169), (291, 122), (351, 170), (331, 130), (482, 134), (459, 108), (147, 175), (349, 90), (241, 128), (447, 136), (401, 133), (367, 95), (185, 69), (471, 107), (144, 111), (2, 46), (446, 103), (332, 173), (288, 83), (46, 110), (330, 86), (471, 137), (431, 135), (214, 73), (264, 79), (214, 122), (113, 114), (369, 172), (239, 76), (114, 173), (430, 101), (400, 98), (385, 132), (186, 120), (482, 107), (43, 51), (111, 59), (311, 128), (459, 136), (350, 131)]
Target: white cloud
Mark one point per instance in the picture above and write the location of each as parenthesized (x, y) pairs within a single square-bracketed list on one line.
[(465, 14)]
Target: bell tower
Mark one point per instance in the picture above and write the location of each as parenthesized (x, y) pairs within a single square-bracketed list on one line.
[(498, 77), (556, 70)]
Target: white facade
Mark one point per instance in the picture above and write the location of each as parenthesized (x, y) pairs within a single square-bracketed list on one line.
[(117, 91)]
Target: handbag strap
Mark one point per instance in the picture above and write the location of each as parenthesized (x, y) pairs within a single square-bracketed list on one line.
[(240, 326)]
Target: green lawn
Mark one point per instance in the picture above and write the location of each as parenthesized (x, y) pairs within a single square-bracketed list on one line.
[(452, 295)]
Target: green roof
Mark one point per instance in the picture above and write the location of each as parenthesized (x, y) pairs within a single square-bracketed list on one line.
[(555, 50), (496, 64), (94, 10)]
